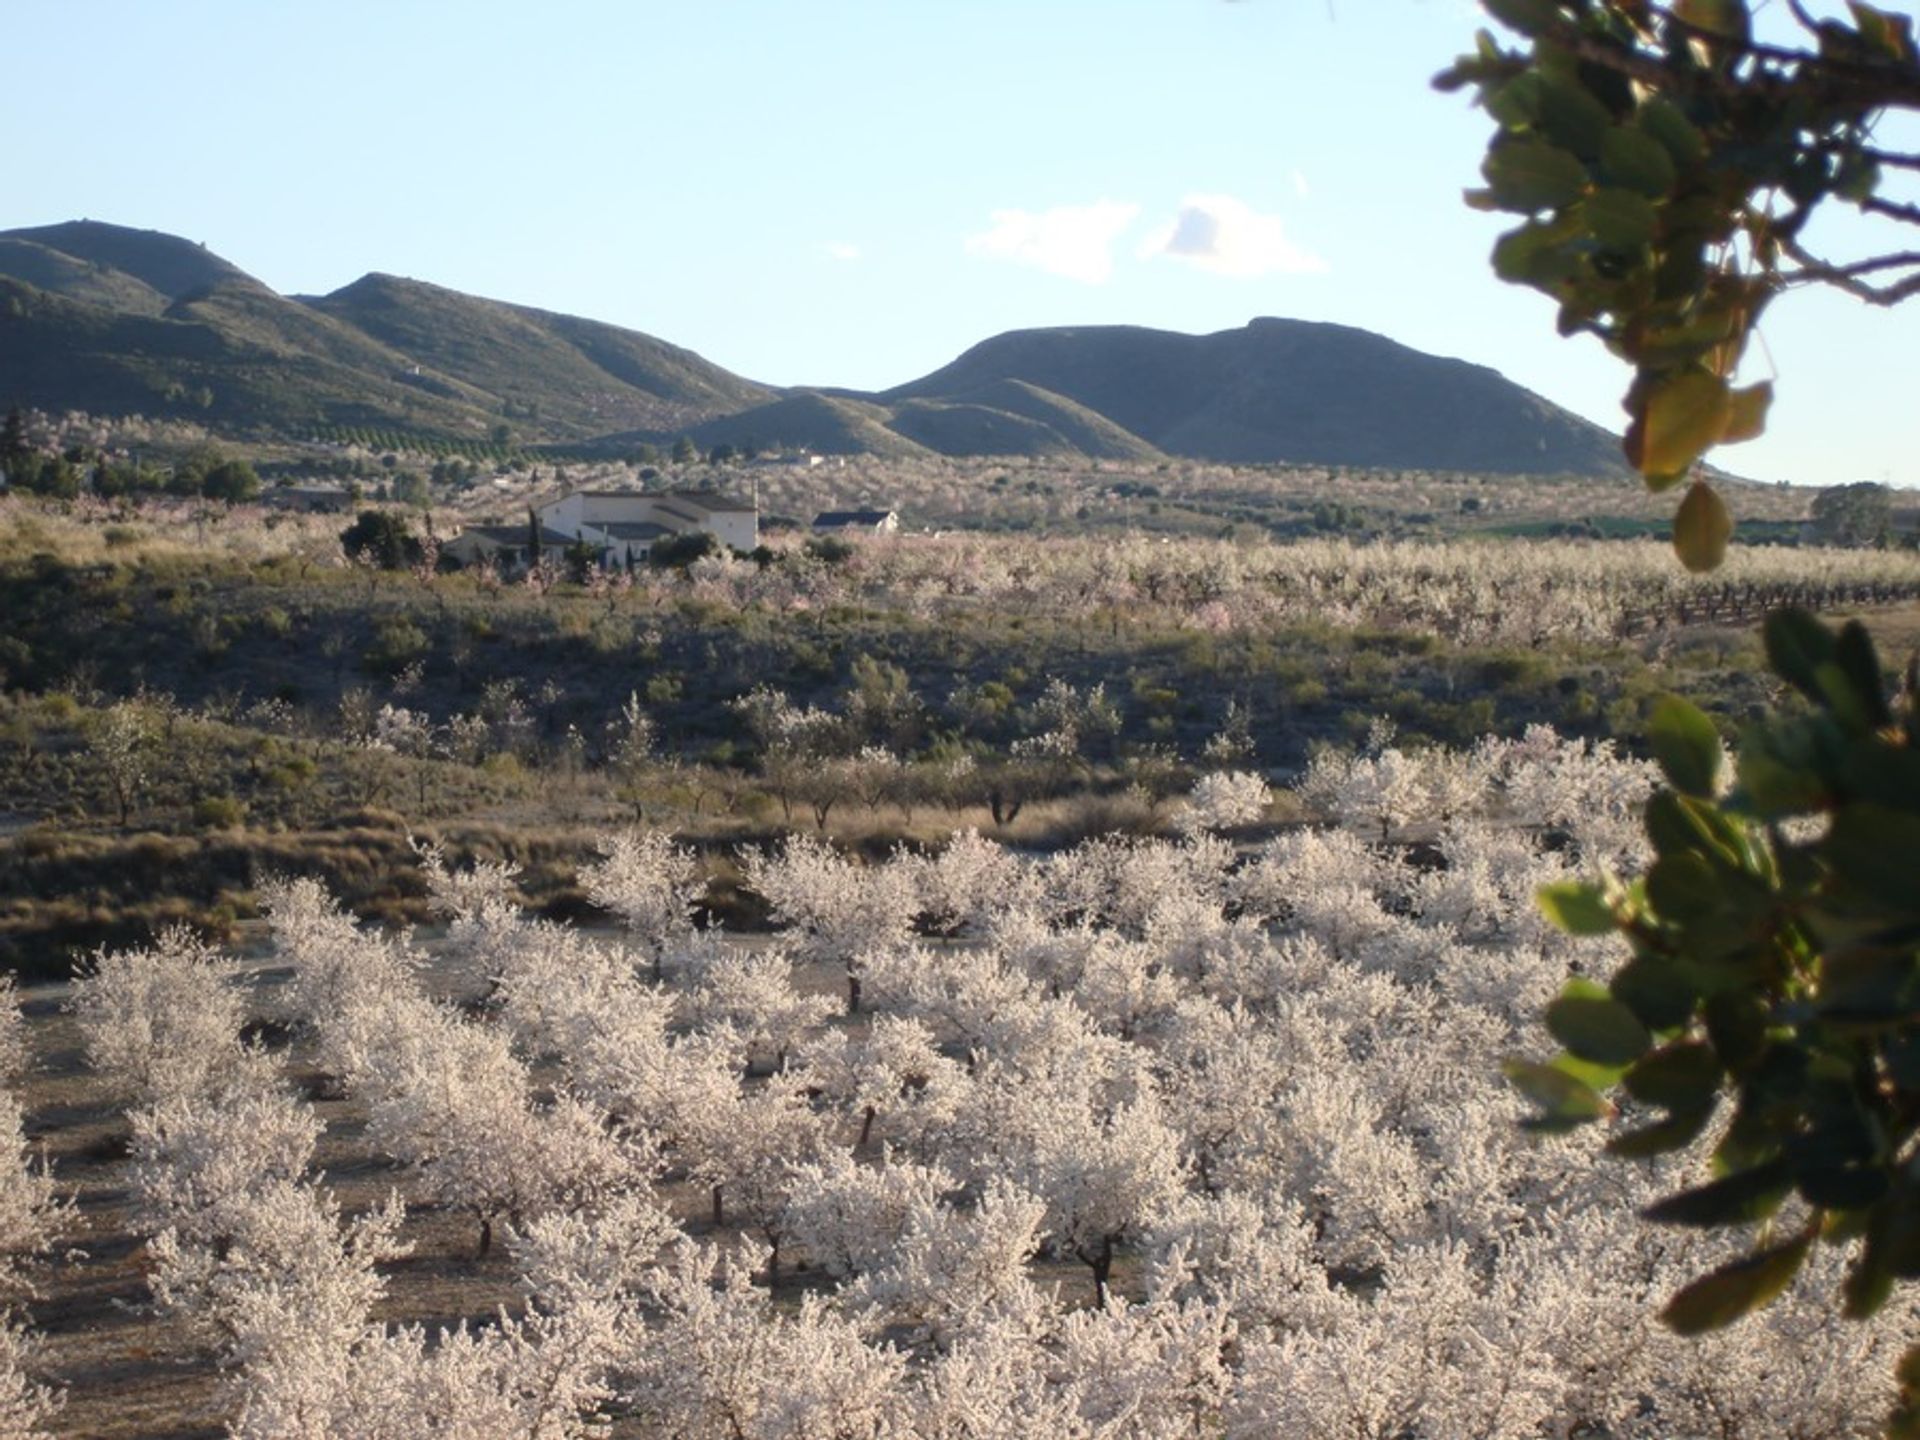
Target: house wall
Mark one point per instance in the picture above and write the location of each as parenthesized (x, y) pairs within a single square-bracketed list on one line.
[(740, 529), (576, 514)]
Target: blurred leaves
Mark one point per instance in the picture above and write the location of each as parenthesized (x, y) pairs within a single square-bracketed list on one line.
[(1772, 970), (1667, 167)]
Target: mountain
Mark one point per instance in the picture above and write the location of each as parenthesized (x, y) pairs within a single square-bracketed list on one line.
[(1285, 390), (108, 319), (165, 263), (112, 320), (559, 373)]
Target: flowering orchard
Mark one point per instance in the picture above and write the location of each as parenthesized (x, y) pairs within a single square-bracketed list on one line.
[(1148, 1138)]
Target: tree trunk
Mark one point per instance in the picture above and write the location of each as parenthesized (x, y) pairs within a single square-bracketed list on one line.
[(866, 1125), (1102, 1265), (853, 993), (486, 1235), (719, 1214)]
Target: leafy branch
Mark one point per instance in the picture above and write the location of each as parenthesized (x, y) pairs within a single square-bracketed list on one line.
[(1667, 164)]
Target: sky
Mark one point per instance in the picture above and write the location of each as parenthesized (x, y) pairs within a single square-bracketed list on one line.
[(852, 192)]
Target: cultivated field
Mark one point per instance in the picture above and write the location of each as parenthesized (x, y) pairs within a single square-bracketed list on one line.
[(868, 1178)]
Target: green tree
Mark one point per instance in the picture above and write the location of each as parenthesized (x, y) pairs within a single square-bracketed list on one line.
[(534, 548), (1853, 514), (684, 452), (231, 481), (14, 445), (677, 552), (410, 488), (1668, 166), (383, 538)]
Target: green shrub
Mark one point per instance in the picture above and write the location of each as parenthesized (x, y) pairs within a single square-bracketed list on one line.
[(218, 812)]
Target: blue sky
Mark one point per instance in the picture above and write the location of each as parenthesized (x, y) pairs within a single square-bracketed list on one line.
[(851, 192)]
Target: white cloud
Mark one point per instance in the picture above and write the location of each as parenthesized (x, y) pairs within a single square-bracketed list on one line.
[(1300, 184), (840, 250), (1229, 237), (1071, 240)]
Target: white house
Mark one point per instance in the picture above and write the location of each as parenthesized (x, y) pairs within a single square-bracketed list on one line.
[(858, 522), (623, 525), (505, 545)]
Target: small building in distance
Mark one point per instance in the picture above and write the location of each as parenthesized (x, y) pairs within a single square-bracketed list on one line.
[(622, 525), (309, 497), (857, 522), (507, 546)]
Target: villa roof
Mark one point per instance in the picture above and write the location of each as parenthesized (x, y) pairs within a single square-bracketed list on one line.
[(515, 535), (836, 519), (632, 530)]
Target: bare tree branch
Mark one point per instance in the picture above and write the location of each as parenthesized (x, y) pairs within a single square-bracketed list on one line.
[(1814, 270)]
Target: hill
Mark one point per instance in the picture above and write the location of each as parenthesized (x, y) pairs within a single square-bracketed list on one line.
[(1285, 390), (557, 374), (108, 319), (165, 263), (111, 320)]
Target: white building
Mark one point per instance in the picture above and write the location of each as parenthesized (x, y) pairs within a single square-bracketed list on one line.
[(858, 522), (623, 525)]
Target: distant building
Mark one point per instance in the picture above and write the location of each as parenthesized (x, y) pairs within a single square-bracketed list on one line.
[(310, 498), (505, 545), (858, 522), (623, 525)]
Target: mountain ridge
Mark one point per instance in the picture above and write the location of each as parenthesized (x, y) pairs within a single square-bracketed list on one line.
[(111, 319)]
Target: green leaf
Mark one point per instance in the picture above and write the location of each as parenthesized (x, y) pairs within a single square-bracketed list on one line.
[(1577, 908), (1676, 1132), (1723, 1296), (1590, 1073), (1701, 528), (1737, 1199), (1888, 33), (1875, 851), (1865, 701), (1683, 1076), (1843, 1187), (1620, 219), (1797, 646), (1655, 990), (1516, 104), (1668, 123), (1636, 161), (1678, 421), (1747, 413), (1570, 116), (1561, 1101), (1603, 1031), (1737, 1026), (1857, 180), (1531, 175), (1536, 253), (1686, 745), (1870, 986), (1726, 18)]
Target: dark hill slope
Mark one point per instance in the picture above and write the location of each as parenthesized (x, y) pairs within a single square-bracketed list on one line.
[(165, 263), (110, 319), (810, 420), (209, 359), (1056, 424), (1287, 390), (562, 375), (61, 274)]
